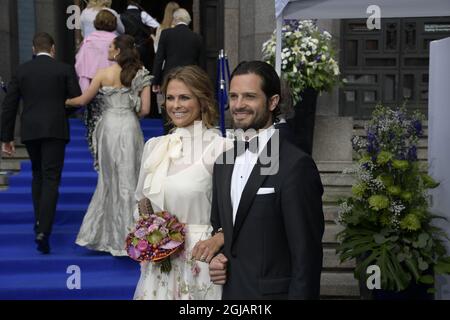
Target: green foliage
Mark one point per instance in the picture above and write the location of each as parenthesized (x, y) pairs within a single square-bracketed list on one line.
[(386, 220)]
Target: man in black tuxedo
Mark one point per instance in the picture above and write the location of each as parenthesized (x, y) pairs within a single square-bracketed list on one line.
[(178, 46), (43, 84), (267, 202)]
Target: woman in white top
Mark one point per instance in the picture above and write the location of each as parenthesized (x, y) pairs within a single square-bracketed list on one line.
[(176, 176), (166, 23), (88, 16)]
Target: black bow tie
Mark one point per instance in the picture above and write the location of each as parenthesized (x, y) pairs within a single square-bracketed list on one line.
[(242, 146)]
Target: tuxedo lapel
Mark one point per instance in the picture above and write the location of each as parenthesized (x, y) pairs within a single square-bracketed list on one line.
[(226, 191)]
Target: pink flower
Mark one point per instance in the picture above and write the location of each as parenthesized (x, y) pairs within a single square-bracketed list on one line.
[(142, 245), (152, 228)]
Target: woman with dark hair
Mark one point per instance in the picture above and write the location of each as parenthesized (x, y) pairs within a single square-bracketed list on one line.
[(118, 144)]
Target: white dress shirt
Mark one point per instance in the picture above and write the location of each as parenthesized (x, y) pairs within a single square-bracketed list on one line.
[(243, 167), (147, 19), (44, 54)]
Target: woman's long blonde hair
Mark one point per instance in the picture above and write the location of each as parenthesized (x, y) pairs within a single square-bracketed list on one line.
[(201, 86), (168, 14), (99, 3)]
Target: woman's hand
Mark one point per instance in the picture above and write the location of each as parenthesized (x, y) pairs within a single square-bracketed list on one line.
[(207, 249)]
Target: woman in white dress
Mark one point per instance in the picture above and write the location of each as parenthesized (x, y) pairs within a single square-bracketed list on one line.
[(176, 176)]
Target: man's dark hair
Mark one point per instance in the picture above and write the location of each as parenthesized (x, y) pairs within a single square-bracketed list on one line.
[(137, 3), (42, 41), (270, 81)]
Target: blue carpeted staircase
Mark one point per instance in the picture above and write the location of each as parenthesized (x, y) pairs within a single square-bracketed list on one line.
[(27, 274)]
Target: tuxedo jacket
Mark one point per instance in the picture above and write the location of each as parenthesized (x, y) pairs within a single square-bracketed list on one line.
[(274, 248), (43, 84), (178, 46)]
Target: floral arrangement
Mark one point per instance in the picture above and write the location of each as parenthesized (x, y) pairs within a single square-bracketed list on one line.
[(307, 57), (386, 220), (156, 237)]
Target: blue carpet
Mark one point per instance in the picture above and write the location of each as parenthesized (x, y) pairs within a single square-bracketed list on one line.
[(27, 274)]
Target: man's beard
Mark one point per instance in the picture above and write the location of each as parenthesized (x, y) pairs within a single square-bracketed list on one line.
[(259, 122)]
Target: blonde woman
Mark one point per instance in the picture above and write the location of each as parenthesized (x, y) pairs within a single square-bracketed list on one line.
[(171, 7), (176, 176), (89, 14)]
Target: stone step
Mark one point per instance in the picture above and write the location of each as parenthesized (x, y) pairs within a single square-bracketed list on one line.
[(21, 153), (330, 212), (332, 261), (337, 179), (3, 180), (9, 165), (338, 284), (329, 236), (334, 194), (333, 166)]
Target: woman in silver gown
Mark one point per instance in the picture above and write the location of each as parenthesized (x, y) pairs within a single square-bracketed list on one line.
[(118, 144)]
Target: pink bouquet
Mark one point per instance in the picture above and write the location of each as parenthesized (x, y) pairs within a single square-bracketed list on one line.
[(156, 237)]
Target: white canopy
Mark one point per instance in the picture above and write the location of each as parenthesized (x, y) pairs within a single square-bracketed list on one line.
[(351, 9)]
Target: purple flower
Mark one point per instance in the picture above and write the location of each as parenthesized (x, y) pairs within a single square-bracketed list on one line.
[(318, 58), (412, 153), (418, 127), (152, 228), (171, 245), (141, 233), (142, 245), (133, 252)]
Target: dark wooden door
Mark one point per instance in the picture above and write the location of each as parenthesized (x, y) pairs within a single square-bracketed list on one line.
[(212, 30), (389, 65)]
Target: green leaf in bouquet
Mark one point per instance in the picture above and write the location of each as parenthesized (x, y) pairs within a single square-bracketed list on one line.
[(427, 279), (422, 264), (379, 239), (402, 165), (429, 182), (155, 237), (378, 202), (359, 189), (442, 267), (412, 266), (410, 223), (422, 240), (407, 196), (135, 242), (384, 157), (394, 190), (176, 236), (387, 179)]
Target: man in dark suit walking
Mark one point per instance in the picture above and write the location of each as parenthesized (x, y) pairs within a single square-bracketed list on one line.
[(43, 84), (178, 46), (267, 202)]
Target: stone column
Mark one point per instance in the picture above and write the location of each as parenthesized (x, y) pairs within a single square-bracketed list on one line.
[(196, 16), (51, 17), (257, 22), (328, 102), (231, 32), (9, 48)]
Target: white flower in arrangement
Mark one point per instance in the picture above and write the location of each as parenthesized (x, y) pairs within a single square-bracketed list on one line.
[(307, 57)]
